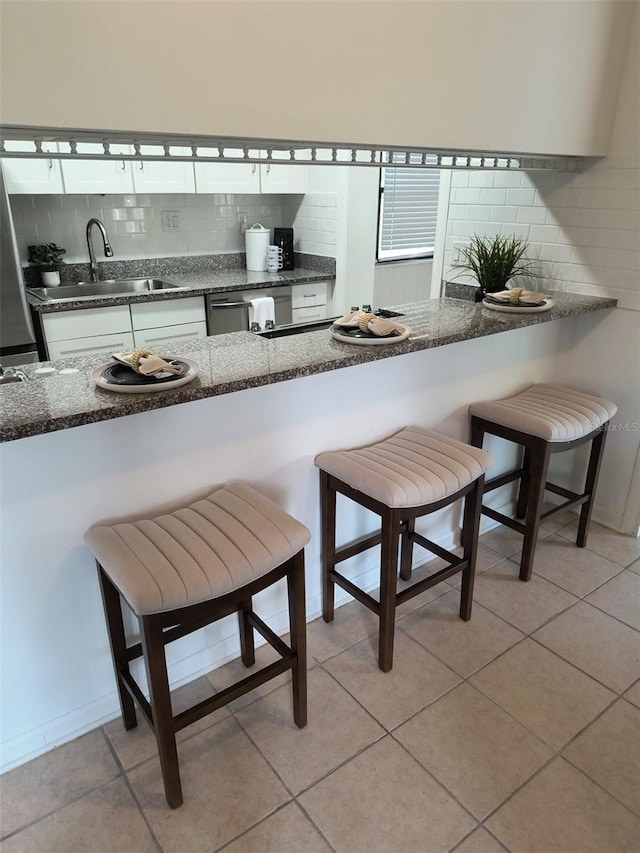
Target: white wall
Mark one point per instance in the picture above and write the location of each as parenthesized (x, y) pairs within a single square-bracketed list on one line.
[(585, 230), (530, 76), (405, 281), (57, 679)]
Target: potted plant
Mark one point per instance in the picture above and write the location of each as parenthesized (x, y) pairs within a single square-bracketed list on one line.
[(48, 257), (494, 261)]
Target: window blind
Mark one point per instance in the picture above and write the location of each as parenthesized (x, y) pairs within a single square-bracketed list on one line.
[(408, 212)]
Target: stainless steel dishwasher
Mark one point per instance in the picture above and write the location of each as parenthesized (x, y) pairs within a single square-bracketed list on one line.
[(229, 311)]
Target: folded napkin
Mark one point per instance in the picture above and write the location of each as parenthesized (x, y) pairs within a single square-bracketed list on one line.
[(349, 321), (517, 296), (369, 323), (145, 362)]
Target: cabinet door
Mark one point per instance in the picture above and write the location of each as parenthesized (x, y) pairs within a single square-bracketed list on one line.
[(87, 322), (32, 175), (227, 177), (170, 335), (98, 176), (96, 345), (169, 312), (306, 315), (282, 179), (310, 294), (159, 176)]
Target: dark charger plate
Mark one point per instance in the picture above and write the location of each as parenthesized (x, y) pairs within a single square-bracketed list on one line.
[(120, 374)]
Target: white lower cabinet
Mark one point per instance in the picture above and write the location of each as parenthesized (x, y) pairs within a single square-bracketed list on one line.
[(309, 301), (95, 345), (169, 335), (114, 328)]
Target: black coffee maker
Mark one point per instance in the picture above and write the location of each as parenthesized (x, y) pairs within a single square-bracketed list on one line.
[(283, 237)]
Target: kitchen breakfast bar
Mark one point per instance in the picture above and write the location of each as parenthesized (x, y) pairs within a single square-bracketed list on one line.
[(259, 410)]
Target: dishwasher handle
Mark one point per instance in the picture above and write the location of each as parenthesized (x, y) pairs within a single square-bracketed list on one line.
[(229, 305)]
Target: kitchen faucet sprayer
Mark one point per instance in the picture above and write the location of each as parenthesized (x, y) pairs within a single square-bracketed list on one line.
[(108, 251)]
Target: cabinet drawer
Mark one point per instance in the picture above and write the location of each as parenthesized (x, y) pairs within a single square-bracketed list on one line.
[(170, 335), (305, 315), (86, 322), (99, 344), (313, 293), (170, 312)]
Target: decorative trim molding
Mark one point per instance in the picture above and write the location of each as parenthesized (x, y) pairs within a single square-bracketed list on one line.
[(211, 149)]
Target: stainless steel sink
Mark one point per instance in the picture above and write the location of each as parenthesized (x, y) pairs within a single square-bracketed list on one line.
[(112, 287)]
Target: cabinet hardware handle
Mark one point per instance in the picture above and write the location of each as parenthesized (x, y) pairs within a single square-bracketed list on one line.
[(268, 168), (309, 295), (50, 163), (141, 165), (124, 165), (253, 168)]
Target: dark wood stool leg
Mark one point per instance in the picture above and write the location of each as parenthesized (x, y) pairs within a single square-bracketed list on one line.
[(247, 642), (476, 435), (406, 549), (388, 585), (525, 480), (160, 700), (470, 532), (297, 623), (593, 471), (117, 641), (328, 522), (540, 454)]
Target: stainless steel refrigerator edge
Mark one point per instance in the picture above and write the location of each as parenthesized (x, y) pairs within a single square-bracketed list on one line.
[(17, 340)]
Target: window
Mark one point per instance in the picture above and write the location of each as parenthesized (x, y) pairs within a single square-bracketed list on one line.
[(407, 213)]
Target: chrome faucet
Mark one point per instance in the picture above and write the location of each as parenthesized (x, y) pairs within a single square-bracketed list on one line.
[(108, 251)]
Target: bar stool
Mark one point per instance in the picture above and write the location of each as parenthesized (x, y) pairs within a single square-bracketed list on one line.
[(183, 570), (404, 477), (543, 419)]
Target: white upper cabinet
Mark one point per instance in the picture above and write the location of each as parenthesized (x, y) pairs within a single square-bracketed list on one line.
[(247, 177), (98, 176), (226, 177), (158, 176), (282, 179), (32, 175)]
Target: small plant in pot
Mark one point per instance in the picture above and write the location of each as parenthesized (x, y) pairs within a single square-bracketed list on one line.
[(48, 258), (494, 261)]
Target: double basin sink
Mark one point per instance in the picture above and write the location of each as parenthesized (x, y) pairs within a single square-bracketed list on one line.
[(112, 287)]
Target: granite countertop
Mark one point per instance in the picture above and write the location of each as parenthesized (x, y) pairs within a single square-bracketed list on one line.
[(241, 360), (195, 283)]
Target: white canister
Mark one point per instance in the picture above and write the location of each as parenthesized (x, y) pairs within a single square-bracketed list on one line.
[(257, 238)]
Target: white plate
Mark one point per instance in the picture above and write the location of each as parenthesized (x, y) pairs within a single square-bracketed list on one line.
[(339, 334), (101, 382), (519, 309)]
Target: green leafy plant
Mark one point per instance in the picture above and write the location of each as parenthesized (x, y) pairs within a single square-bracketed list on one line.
[(47, 256), (494, 260)]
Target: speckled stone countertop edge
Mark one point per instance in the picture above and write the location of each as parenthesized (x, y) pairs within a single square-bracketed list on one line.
[(239, 361), (223, 281)]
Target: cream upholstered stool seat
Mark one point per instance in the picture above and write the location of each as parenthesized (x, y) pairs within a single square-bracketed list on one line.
[(404, 477), (543, 419), (183, 570)]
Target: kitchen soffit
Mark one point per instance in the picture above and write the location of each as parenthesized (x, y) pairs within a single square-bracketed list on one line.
[(210, 149)]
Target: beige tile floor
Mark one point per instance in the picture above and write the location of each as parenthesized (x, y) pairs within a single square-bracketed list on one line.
[(518, 730)]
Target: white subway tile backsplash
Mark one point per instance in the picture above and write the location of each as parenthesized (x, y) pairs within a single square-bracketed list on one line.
[(466, 195), (493, 196), (545, 233), (209, 223), (503, 213), (532, 215), (482, 179), (511, 180), (516, 229), (521, 196)]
